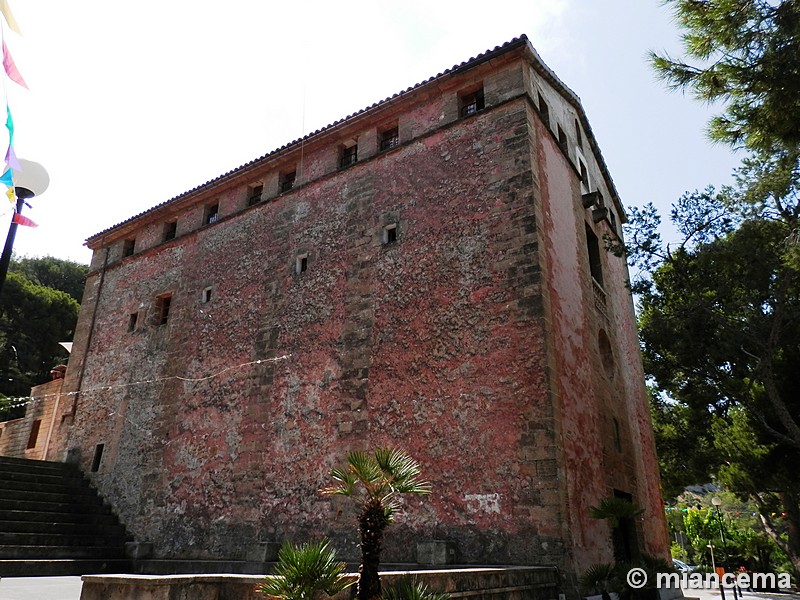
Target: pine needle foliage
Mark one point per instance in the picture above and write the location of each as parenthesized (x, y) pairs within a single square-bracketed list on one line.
[(306, 572)]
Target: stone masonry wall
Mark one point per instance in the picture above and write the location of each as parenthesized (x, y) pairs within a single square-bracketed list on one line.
[(433, 343)]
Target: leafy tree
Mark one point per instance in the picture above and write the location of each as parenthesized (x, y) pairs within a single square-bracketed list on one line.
[(745, 54), (306, 572), (375, 481), (55, 273), (720, 329), (33, 320)]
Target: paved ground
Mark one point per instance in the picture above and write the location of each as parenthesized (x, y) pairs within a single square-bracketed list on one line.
[(40, 588), (69, 588)]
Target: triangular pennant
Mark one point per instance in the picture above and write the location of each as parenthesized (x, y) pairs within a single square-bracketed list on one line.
[(7, 178), (25, 221), (12, 197), (11, 160), (6, 10), (11, 69), (9, 125)]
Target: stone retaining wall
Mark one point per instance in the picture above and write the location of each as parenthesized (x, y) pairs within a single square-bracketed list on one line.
[(514, 583)]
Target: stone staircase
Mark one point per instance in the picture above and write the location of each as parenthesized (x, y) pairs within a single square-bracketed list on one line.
[(52, 522)]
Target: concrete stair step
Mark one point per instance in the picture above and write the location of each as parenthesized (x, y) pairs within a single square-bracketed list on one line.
[(112, 528), (101, 516), (45, 477), (55, 539), (62, 566), (77, 487), (42, 496), (27, 505), (10, 464), (49, 513), (55, 552)]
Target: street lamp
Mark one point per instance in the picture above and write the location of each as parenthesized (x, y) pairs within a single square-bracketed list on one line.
[(31, 181), (717, 502)]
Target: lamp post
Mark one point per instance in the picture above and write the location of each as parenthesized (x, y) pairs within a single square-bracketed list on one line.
[(31, 181), (717, 502)]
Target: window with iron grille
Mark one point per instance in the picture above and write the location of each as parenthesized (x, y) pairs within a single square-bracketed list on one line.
[(389, 138), (287, 181), (211, 214), (254, 194), (471, 102), (349, 156)]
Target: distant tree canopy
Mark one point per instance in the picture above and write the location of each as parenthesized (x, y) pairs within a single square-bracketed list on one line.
[(38, 309), (745, 54), (64, 275)]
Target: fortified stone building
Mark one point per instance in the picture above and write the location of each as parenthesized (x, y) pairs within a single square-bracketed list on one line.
[(428, 273)]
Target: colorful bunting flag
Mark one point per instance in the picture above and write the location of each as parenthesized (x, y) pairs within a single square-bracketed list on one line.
[(11, 68), (9, 125), (8, 178), (12, 197), (25, 221), (11, 160), (6, 10)]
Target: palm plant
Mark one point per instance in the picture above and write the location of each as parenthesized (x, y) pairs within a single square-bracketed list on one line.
[(615, 509), (305, 572), (407, 588), (375, 480), (598, 579)]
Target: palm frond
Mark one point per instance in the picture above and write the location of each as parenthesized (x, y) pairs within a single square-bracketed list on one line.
[(305, 572), (364, 468), (346, 483), (614, 509), (597, 578), (407, 588)]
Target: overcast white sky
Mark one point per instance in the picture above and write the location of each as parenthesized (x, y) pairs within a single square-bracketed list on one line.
[(133, 103)]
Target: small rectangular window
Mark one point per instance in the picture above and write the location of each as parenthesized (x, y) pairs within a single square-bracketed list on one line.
[(584, 176), (390, 233), (170, 230), (34, 436), (206, 295), (562, 139), (211, 214), (389, 138), (132, 319), (593, 250), (301, 264), (349, 156), (287, 181), (98, 457), (162, 307), (254, 193), (128, 246), (471, 102), (578, 134), (544, 110)]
